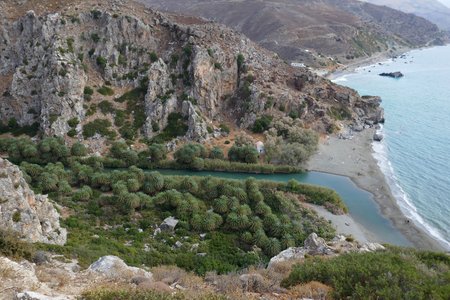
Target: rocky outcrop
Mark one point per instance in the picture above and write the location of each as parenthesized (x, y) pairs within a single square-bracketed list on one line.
[(160, 100), (170, 64), (33, 217), (197, 128), (315, 245), (113, 267)]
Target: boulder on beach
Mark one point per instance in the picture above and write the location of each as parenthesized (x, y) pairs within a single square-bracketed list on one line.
[(378, 137)]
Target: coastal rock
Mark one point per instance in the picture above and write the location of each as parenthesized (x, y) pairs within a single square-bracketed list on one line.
[(113, 267), (392, 75), (378, 137), (33, 217)]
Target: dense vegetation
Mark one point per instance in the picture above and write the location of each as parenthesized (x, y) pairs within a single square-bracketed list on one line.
[(115, 211), (394, 274)]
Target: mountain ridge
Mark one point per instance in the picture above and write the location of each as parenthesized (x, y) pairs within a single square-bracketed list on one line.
[(313, 31)]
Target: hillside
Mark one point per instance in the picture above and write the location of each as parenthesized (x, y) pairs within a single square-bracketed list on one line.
[(310, 31), (119, 71), (432, 10)]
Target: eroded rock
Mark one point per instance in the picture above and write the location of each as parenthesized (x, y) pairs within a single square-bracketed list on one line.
[(33, 217)]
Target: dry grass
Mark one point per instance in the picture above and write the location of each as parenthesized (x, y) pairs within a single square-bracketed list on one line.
[(311, 290)]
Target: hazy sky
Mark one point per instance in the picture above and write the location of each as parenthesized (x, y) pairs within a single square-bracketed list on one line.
[(446, 2)]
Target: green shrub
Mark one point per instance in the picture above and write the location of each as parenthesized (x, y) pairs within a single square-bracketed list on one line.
[(12, 247), (100, 126), (225, 128), (262, 124), (153, 57), (216, 153), (176, 127), (73, 122), (106, 91), (95, 38), (393, 274), (16, 217), (106, 107), (78, 149), (101, 62), (245, 154)]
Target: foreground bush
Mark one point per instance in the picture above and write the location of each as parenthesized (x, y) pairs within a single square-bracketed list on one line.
[(128, 294), (394, 274)]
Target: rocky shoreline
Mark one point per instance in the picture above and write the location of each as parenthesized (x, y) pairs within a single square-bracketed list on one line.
[(354, 158)]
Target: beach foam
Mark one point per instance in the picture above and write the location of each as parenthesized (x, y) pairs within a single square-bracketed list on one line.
[(404, 202)]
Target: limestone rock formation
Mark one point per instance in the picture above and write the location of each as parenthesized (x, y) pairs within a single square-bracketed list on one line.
[(315, 245), (167, 63), (33, 217), (113, 267)]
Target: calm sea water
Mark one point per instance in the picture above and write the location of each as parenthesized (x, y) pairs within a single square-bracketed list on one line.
[(415, 154)]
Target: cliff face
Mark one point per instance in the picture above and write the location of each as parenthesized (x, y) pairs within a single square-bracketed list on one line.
[(159, 64), (31, 216), (343, 29)]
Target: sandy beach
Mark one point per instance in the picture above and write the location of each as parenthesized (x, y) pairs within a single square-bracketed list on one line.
[(353, 158)]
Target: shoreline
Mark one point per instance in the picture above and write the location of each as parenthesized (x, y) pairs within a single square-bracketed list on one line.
[(366, 62), (354, 159)]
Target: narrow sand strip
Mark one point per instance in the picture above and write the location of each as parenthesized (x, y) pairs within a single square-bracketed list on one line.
[(353, 158), (344, 224)]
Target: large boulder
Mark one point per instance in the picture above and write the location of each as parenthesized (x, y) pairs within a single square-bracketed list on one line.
[(168, 224), (316, 245), (113, 267), (292, 253), (33, 217)]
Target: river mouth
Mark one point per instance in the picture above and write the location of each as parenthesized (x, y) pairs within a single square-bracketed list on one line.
[(362, 207)]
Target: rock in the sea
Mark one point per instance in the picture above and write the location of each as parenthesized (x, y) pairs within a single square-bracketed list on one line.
[(113, 267), (168, 224), (378, 137), (392, 75), (32, 217)]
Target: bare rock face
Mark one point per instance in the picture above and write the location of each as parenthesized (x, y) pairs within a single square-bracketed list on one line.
[(47, 60), (159, 100), (315, 245), (197, 128), (33, 217), (113, 267)]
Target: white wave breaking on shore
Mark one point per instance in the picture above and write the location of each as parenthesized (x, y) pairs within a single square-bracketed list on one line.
[(408, 208)]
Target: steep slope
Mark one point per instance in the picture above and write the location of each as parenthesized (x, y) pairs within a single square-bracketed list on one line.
[(31, 217), (431, 10), (302, 30), (120, 69)]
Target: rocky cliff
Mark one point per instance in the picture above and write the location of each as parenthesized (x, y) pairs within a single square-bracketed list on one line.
[(131, 68), (32, 217)]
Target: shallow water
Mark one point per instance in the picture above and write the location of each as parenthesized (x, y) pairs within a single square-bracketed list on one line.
[(361, 205), (415, 153)]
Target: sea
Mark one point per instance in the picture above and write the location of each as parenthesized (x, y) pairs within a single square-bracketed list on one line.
[(415, 152)]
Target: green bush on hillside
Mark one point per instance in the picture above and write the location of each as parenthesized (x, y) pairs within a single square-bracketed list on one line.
[(393, 274)]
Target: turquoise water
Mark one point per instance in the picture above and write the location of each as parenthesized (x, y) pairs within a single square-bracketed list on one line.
[(360, 203), (415, 153)]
